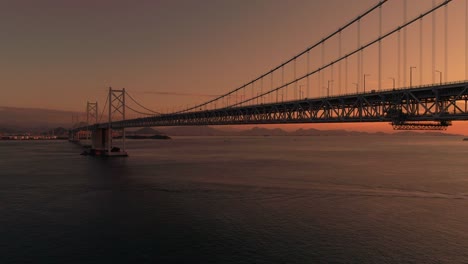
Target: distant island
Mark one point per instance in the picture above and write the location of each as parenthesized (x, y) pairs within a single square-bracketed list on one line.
[(260, 131), (146, 133)]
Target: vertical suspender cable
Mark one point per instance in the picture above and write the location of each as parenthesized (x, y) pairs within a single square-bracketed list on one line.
[(362, 69), (346, 75), (295, 83), (358, 68), (253, 88), (399, 59), (446, 43), (331, 78), (282, 82), (244, 96), (308, 70), (405, 16), (261, 90), (276, 96), (271, 88), (339, 63), (421, 52), (466, 40), (433, 42), (319, 83), (380, 48), (285, 92), (322, 72)]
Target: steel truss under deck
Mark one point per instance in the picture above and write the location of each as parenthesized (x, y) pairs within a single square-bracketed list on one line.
[(405, 108)]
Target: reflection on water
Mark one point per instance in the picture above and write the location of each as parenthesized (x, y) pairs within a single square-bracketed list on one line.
[(237, 200)]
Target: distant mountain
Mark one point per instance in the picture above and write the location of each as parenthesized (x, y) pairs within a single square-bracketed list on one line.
[(258, 131), (193, 131), (316, 132), (426, 133), (8, 130), (146, 131), (32, 119)]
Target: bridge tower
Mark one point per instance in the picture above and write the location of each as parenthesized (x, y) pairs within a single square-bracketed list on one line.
[(91, 116), (102, 135), (116, 110)]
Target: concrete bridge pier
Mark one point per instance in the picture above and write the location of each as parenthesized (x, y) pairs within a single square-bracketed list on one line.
[(100, 139), (101, 144)]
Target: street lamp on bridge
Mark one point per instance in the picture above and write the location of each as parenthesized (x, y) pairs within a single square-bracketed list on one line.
[(300, 91), (411, 76), (440, 76)]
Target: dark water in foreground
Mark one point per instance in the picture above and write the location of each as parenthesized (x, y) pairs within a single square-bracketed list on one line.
[(237, 200)]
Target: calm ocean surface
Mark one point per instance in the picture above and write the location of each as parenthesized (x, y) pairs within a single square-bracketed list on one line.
[(350, 199)]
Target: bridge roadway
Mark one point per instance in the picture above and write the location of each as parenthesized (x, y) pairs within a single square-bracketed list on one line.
[(439, 103)]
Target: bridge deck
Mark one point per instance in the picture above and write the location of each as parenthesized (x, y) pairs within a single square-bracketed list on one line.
[(444, 102)]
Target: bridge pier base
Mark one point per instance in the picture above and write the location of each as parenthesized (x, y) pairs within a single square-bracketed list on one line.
[(101, 144)]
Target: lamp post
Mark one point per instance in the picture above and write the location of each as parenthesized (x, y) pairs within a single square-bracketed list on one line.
[(411, 76), (393, 79), (440, 76), (365, 82), (300, 91)]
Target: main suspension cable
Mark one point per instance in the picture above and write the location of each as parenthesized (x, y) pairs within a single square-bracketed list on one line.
[(367, 12), (138, 112), (154, 112), (362, 47), (103, 109)]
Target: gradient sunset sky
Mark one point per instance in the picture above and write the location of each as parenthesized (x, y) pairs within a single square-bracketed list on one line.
[(58, 54)]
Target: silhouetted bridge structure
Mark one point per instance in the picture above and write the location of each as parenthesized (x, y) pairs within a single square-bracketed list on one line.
[(264, 100), (437, 104)]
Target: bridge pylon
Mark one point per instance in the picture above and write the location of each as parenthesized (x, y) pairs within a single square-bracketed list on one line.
[(91, 116), (102, 136), (101, 133)]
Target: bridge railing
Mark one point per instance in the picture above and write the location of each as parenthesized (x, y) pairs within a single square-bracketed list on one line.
[(391, 89), (371, 91)]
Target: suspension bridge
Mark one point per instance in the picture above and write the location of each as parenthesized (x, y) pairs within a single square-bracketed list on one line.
[(326, 83)]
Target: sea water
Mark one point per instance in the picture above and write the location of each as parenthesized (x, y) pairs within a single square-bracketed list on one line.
[(352, 199)]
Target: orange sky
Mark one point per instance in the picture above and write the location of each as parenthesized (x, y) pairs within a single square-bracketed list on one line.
[(60, 54)]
